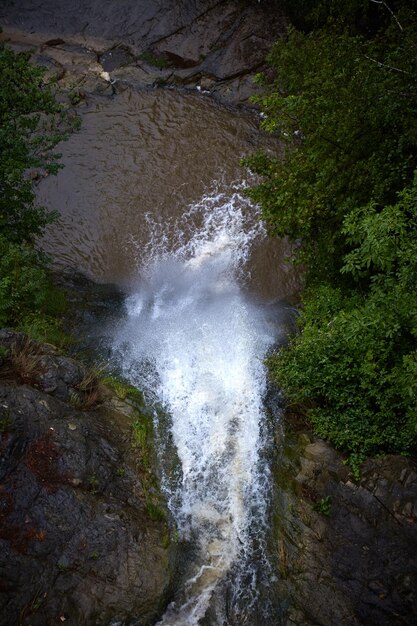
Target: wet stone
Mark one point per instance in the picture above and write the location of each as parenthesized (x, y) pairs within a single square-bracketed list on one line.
[(362, 549), (377, 587), (54, 70), (67, 528), (407, 509), (137, 76), (411, 480), (403, 475), (115, 58)]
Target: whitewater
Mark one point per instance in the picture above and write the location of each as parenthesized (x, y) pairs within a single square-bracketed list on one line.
[(196, 340)]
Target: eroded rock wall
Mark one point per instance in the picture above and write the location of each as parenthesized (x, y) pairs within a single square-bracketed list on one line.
[(79, 542), (215, 46), (346, 549)]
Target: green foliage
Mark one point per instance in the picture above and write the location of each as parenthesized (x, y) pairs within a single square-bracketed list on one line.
[(355, 16), (344, 107), (123, 390), (355, 461), (355, 362), (323, 506), (27, 298), (347, 123), (5, 424), (93, 483), (154, 511), (23, 281), (45, 329), (141, 433), (150, 58), (142, 436), (31, 124)]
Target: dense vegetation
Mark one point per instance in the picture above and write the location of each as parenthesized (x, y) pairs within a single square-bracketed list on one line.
[(342, 97), (32, 122)]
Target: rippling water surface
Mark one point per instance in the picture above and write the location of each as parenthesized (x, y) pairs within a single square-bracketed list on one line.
[(148, 153), (194, 339), (152, 199)]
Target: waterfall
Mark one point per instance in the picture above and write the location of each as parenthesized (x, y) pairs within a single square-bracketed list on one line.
[(196, 340)]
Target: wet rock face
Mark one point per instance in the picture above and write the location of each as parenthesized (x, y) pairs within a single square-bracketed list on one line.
[(174, 43), (76, 540), (346, 549)]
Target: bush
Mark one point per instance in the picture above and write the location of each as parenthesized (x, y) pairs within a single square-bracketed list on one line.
[(23, 282), (347, 124), (355, 362), (28, 300), (354, 375), (31, 124), (344, 106)]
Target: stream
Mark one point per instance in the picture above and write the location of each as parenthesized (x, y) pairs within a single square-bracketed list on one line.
[(194, 339), (152, 199), (189, 294)]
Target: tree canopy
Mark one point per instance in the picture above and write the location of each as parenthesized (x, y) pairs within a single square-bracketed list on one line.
[(32, 122), (343, 101)]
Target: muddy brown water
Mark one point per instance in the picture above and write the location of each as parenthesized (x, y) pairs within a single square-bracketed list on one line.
[(150, 153), (141, 159)]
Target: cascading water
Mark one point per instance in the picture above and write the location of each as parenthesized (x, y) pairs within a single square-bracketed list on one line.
[(197, 341)]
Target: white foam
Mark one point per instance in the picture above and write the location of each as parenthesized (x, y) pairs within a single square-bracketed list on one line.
[(206, 341)]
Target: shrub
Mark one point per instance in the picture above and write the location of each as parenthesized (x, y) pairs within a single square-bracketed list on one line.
[(343, 104), (24, 282), (32, 122), (346, 121), (354, 371), (355, 362)]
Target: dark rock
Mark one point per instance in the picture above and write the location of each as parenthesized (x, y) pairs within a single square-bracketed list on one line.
[(54, 71), (76, 541), (116, 57), (54, 42), (354, 563), (227, 40), (59, 375), (8, 338), (40, 365)]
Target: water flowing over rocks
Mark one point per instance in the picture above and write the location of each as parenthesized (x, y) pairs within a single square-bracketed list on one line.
[(77, 542)]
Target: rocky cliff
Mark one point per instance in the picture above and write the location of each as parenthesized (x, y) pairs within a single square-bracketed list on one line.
[(346, 549), (83, 536), (215, 46)]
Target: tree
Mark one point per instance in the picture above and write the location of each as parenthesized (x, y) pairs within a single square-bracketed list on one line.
[(346, 119), (355, 362), (31, 124), (343, 105)]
